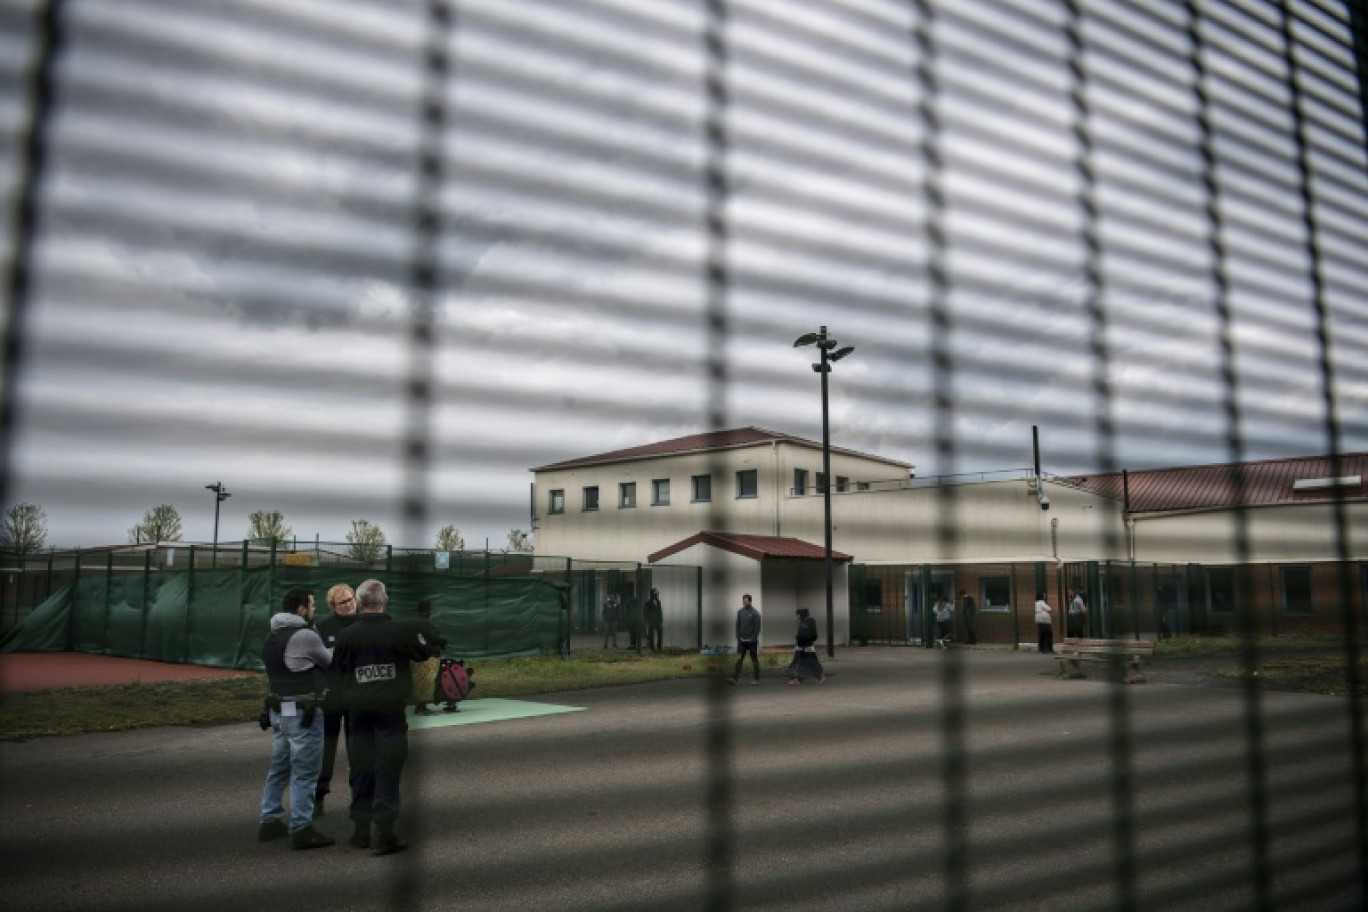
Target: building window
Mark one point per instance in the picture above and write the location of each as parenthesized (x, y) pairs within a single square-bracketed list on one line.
[(627, 494), (702, 488), (660, 492), (862, 486), (997, 593), (558, 501), (591, 498), (1296, 590), (842, 483), (821, 482), (1221, 591), (800, 482), (748, 483)]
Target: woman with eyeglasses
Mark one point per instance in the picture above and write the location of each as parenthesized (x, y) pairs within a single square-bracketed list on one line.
[(342, 604)]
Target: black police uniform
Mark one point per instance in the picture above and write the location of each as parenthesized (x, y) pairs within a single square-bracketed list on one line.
[(372, 659), (334, 715)]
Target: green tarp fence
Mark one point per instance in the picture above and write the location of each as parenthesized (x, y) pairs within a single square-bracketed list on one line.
[(219, 617)]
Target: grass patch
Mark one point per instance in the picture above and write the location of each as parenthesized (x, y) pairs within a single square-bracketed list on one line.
[(1323, 674), (1183, 647), (79, 710)]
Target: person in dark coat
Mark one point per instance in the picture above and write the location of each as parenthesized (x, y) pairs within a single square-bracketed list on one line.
[(805, 662), (342, 604), (373, 659), (655, 622), (425, 672)]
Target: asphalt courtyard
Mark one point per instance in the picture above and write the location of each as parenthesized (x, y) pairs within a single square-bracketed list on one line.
[(914, 779)]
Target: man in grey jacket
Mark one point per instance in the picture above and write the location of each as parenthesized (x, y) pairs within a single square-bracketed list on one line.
[(747, 639)]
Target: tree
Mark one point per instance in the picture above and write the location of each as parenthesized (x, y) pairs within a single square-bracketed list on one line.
[(449, 539), (268, 527), (520, 541), (366, 540), (24, 530), (159, 524)]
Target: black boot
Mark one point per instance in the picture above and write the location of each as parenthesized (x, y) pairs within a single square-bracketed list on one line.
[(318, 806), (360, 837), (386, 842), (309, 838)]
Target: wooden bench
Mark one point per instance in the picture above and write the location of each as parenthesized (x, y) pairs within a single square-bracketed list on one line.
[(1129, 654)]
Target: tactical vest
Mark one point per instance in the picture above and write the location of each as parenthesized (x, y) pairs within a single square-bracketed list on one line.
[(283, 681)]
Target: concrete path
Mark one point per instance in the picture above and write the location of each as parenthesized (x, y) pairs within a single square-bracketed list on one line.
[(914, 779)]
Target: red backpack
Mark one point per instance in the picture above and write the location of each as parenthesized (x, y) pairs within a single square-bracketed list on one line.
[(453, 683)]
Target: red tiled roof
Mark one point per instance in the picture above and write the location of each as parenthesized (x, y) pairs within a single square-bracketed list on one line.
[(1216, 486), (694, 443), (757, 547)]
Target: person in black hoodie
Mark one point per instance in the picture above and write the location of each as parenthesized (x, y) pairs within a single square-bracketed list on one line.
[(425, 672), (373, 659), (342, 604), (805, 661)]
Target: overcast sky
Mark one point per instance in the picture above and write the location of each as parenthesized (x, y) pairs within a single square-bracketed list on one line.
[(223, 269)]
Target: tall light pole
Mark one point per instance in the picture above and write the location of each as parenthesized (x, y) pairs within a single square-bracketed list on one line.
[(825, 345), (220, 495)]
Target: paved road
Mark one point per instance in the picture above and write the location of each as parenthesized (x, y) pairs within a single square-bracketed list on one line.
[(914, 779)]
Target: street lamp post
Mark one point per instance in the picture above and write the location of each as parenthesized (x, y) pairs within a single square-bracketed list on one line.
[(220, 495), (825, 346)]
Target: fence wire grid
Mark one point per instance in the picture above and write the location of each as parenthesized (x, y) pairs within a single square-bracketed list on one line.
[(379, 258)]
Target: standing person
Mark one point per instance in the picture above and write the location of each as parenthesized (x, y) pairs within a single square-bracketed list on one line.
[(970, 610), (610, 621), (1078, 616), (342, 603), (1044, 629), (373, 657), (748, 625), (425, 672), (631, 612), (805, 661), (295, 659), (655, 622), (944, 611)]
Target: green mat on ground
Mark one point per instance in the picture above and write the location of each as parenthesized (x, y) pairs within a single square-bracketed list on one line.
[(488, 710)]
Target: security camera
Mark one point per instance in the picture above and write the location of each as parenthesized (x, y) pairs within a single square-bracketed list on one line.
[(1044, 502)]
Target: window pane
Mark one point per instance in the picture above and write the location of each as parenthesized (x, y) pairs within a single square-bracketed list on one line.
[(660, 492), (997, 593), (557, 501), (702, 488), (591, 498), (747, 483), (800, 481), (628, 494)]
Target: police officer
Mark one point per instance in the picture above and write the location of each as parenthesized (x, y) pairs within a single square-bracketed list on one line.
[(342, 603), (372, 660), (295, 659)]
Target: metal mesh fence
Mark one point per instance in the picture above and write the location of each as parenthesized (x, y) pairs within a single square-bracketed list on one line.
[(371, 255)]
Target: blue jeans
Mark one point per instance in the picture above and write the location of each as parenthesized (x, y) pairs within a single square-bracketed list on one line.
[(296, 755)]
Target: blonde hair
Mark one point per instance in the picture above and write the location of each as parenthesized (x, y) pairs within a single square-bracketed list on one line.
[(336, 591)]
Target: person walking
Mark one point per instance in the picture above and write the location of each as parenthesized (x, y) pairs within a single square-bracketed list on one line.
[(295, 659), (805, 662), (1078, 616), (374, 657), (944, 612), (655, 622), (969, 612), (342, 604), (748, 624), (1044, 627), (425, 672)]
